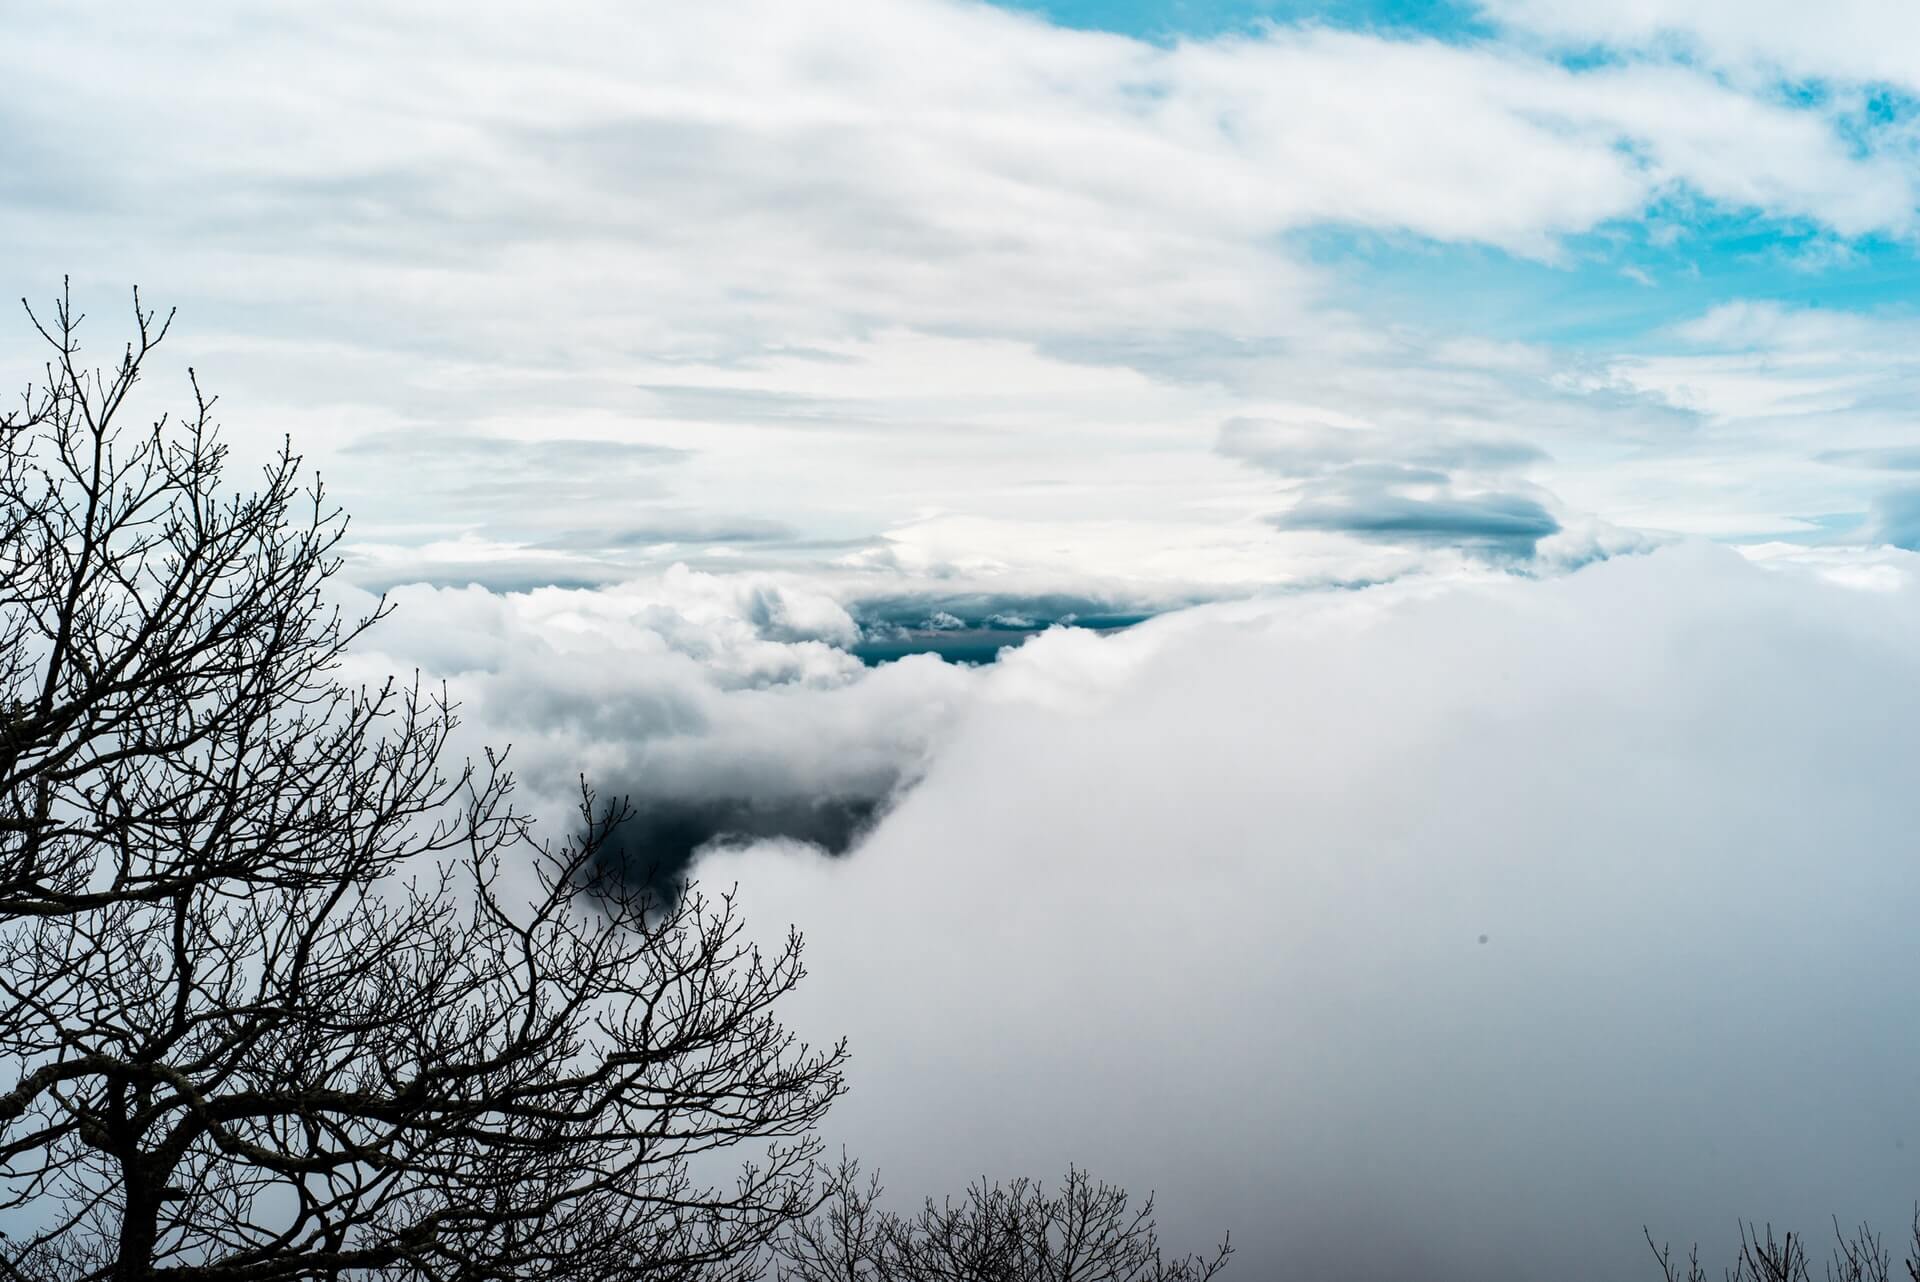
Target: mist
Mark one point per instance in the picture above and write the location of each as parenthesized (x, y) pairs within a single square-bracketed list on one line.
[(1452, 932)]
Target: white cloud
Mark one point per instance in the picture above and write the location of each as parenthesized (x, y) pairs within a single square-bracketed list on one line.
[(1199, 906), (863, 262), (920, 162), (1846, 39)]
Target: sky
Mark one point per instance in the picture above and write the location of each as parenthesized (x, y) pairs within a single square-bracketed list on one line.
[(1475, 440)]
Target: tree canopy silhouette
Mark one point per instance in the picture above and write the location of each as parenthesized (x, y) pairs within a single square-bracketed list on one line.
[(1082, 1231), (1859, 1256), (283, 994)]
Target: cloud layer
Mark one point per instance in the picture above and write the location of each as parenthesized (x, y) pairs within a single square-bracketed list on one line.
[(723, 708), (1454, 932)]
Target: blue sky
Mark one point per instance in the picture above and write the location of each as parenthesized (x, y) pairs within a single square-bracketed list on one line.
[(1617, 282), (1628, 279), (1617, 285), (1174, 19)]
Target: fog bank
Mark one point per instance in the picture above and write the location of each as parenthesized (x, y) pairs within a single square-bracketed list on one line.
[(1448, 932)]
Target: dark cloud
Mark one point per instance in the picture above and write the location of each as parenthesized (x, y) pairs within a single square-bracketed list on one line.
[(654, 852), (1509, 525), (1357, 483)]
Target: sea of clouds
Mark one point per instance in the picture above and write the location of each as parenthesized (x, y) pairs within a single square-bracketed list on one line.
[(1449, 928)]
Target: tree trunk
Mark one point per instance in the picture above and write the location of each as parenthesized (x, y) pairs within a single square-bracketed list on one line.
[(139, 1224)]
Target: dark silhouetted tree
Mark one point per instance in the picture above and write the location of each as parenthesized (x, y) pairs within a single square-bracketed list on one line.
[(1017, 1232), (282, 997), (1860, 1256)]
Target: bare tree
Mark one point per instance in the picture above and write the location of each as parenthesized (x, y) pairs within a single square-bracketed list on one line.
[(169, 712), (1017, 1232), (268, 1009), (1860, 1256)]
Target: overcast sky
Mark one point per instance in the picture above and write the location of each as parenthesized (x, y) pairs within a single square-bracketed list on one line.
[(1505, 408)]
